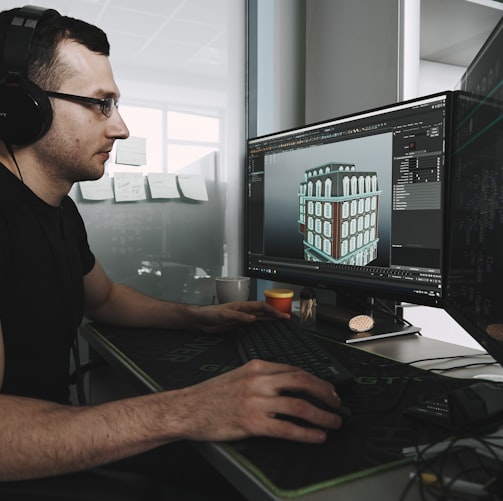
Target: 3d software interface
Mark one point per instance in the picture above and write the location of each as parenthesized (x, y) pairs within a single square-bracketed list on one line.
[(362, 193)]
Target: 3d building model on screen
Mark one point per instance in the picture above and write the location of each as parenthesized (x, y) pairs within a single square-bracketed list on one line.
[(338, 209)]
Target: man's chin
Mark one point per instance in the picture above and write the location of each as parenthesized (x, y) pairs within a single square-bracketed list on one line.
[(90, 176)]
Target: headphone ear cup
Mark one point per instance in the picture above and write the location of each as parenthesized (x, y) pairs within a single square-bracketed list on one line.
[(25, 112)]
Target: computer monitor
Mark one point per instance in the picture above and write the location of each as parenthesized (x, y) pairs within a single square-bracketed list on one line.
[(474, 258), (354, 204)]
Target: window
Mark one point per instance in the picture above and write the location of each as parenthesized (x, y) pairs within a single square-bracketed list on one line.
[(189, 136)]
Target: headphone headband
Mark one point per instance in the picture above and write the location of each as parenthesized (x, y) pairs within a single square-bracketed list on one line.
[(19, 35)]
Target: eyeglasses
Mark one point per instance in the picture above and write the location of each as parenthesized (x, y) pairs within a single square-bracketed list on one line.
[(106, 105)]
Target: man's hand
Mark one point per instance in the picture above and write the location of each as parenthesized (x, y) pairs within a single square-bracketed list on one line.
[(246, 401), (221, 317)]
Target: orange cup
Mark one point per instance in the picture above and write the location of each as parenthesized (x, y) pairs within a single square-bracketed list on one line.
[(281, 299)]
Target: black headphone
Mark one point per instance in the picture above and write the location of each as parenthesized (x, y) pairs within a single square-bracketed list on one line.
[(25, 110)]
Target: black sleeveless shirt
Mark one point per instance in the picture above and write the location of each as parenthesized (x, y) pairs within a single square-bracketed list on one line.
[(44, 255)]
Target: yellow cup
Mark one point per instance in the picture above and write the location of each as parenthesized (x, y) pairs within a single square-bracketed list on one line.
[(281, 299)]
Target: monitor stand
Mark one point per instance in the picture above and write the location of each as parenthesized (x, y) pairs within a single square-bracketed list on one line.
[(334, 322)]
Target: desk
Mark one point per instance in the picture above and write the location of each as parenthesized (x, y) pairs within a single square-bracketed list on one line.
[(388, 484)]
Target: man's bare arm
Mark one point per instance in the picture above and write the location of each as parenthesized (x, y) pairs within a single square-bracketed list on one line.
[(119, 304)]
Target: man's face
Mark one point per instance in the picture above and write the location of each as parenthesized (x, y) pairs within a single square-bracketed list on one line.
[(80, 139)]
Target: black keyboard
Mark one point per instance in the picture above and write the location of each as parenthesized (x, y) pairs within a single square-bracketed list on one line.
[(284, 341)]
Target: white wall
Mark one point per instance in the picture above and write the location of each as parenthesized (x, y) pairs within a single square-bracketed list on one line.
[(277, 67), (437, 77), (353, 49)]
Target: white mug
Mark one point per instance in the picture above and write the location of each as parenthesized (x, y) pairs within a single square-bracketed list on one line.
[(233, 288)]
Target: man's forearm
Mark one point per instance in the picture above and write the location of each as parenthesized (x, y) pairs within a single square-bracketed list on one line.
[(128, 307), (42, 438)]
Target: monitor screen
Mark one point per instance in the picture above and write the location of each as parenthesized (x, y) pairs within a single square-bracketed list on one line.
[(474, 260), (354, 203)]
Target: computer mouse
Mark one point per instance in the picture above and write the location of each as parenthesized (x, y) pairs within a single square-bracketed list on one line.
[(343, 411)]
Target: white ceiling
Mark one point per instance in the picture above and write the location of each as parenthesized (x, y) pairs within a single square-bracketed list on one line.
[(164, 37), (154, 36)]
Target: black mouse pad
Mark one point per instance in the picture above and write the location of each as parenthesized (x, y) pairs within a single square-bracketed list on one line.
[(372, 440)]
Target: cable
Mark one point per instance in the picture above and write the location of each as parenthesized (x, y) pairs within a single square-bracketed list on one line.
[(447, 369), (11, 153), (461, 470), (384, 308), (450, 357)]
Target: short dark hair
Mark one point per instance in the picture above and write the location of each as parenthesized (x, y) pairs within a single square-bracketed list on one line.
[(44, 67)]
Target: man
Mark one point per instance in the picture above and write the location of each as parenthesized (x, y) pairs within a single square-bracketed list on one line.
[(49, 278)]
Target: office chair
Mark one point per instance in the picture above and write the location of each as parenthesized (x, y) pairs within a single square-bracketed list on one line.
[(77, 376)]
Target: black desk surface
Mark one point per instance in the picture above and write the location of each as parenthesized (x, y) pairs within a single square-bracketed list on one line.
[(371, 442)]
